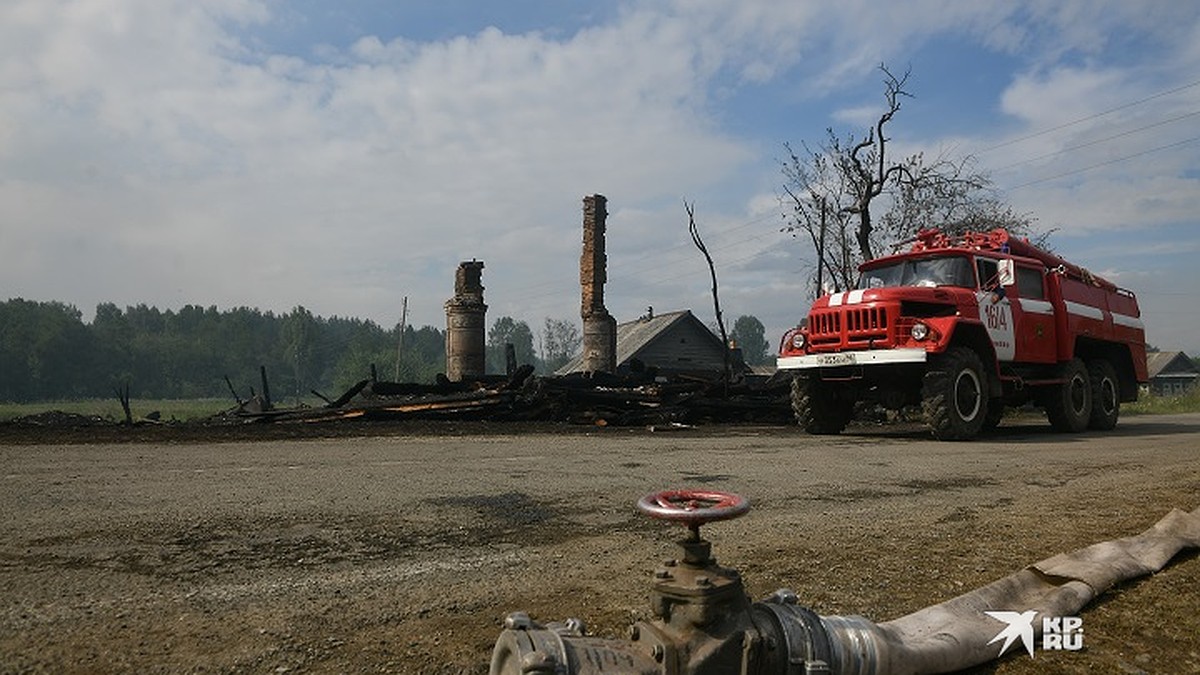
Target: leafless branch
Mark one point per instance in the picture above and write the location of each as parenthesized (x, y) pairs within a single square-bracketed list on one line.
[(712, 270)]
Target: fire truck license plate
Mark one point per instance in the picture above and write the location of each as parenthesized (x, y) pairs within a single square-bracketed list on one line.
[(837, 359)]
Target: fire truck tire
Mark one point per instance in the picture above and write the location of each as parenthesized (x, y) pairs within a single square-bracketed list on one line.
[(995, 413), (953, 395), (819, 407), (1069, 405), (1106, 395)]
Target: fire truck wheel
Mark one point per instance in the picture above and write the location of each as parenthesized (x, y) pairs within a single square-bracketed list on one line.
[(995, 413), (953, 395), (1069, 405), (1106, 395), (820, 408)]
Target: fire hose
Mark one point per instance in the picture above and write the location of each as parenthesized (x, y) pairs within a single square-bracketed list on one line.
[(705, 624)]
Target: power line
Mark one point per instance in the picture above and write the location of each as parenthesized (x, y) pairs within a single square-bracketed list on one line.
[(657, 253), (1099, 140), (723, 234), (1091, 117), (669, 268), (723, 264), (1106, 163)]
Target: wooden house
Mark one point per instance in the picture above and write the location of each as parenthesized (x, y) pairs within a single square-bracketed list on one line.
[(674, 343), (1171, 373)]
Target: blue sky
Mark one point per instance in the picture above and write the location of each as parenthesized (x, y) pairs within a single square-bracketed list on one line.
[(343, 155)]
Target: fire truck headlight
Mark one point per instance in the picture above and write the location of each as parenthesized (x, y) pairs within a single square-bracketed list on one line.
[(920, 331), (798, 341)]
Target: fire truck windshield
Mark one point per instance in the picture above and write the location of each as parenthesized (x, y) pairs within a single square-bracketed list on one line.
[(937, 271)]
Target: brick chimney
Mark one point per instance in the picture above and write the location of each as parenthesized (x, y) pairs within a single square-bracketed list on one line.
[(466, 354), (599, 328)]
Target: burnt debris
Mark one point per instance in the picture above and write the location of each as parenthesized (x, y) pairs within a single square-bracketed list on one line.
[(642, 394), (579, 398)]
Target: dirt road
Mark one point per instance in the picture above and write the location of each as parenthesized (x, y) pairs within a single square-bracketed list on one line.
[(402, 553)]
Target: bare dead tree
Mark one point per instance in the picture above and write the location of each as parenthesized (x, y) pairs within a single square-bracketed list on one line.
[(817, 192), (834, 193), (832, 189), (122, 392), (266, 389), (712, 270), (953, 196), (867, 166)]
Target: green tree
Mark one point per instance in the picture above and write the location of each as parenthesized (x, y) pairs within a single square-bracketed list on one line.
[(425, 349), (247, 339), (113, 336), (299, 335), (46, 351), (749, 334), (507, 330), (560, 343), (355, 363)]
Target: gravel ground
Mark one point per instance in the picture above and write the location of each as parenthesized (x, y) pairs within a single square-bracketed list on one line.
[(394, 548)]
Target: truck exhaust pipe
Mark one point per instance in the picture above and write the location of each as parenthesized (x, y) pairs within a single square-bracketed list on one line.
[(704, 623)]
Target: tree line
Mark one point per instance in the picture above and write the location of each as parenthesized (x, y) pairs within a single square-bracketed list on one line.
[(48, 352)]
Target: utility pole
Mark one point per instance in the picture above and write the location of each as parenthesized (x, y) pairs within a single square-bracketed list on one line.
[(400, 342), (821, 251)]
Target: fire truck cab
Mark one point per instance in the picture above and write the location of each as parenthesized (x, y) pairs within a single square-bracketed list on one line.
[(964, 326)]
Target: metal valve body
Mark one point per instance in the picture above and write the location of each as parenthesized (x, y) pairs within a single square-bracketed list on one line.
[(704, 621), (705, 625)]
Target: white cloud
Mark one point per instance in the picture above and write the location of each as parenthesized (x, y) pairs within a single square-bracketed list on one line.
[(1100, 148), (274, 172), (160, 150), (859, 117), (1063, 95)]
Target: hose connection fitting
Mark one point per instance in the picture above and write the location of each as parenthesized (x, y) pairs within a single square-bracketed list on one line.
[(704, 623)]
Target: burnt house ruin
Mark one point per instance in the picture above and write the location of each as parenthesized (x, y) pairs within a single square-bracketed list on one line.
[(655, 370)]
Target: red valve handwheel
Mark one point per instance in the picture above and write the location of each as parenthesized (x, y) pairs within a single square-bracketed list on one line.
[(693, 507)]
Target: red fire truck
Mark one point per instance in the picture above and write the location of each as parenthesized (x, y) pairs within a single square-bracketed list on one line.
[(964, 326)]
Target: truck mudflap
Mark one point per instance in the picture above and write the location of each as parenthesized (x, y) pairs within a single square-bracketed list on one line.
[(865, 357)]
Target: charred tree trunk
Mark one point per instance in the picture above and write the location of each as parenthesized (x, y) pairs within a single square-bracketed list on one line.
[(510, 358), (233, 391), (712, 270), (122, 392), (266, 390), (870, 172)]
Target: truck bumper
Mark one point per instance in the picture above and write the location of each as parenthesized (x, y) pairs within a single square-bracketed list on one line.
[(866, 357)]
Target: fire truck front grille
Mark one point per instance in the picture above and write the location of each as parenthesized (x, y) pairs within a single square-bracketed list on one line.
[(849, 326)]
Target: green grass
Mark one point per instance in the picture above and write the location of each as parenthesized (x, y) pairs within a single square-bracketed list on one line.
[(182, 410), (1161, 405)]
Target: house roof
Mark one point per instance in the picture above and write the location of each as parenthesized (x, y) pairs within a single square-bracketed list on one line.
[(635, 336), (1170, 363)]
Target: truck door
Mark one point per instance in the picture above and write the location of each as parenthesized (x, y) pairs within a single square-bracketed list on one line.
[(1033, 315), (995, 309)]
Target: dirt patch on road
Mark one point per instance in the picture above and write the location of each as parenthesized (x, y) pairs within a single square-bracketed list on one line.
[(387, 548)]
